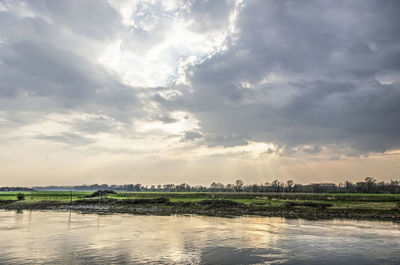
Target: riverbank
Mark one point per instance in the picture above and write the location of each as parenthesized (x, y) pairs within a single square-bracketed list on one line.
[(306, 206)]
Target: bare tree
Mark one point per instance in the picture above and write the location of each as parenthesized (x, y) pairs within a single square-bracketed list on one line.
[(289, 184), (239, 185), (370, 182), (276, 185)]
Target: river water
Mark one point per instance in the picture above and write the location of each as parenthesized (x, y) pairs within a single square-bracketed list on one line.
[(49, 237)]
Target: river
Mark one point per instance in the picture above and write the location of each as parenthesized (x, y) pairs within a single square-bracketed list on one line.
[(50, 237)]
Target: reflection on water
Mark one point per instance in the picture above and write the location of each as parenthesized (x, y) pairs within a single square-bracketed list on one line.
[(37, 237)]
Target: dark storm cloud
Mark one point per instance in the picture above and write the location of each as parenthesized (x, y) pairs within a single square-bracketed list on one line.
[(71, 81), (89, 18), (48, 59), (314, 73), (328, 57)]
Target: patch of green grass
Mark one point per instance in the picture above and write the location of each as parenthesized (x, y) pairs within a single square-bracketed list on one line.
[(357, 194), (43, 195), (339, 200)]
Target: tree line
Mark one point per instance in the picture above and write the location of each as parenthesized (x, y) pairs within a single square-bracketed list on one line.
[(369, 185)]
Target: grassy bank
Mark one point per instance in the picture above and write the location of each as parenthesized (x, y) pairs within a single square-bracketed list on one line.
[(311, 206)]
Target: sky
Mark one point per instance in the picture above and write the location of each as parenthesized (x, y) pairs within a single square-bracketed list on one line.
[(192, 91)]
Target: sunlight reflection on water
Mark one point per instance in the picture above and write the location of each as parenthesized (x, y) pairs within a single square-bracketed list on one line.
[(39, 237)]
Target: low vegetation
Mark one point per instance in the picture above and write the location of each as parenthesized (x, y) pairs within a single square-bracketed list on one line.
[(292, 205), (100, 193), (308, 204), (20, 196)]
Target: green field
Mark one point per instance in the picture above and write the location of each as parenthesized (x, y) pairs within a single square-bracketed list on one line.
[(323, 205), (43, 195), (339, 200)]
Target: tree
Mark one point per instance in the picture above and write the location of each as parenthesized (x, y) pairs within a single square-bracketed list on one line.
[(169, 187), (276, 185), (254, 188), (349, 186), (229, 187), (394, 186), (239, 185), (183, 187), (217, 186), (370, 182), (289, 184)]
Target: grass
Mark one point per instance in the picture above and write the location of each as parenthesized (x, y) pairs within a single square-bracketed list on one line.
[(339, 200), (359, 194), (379, 206), (43, 195)]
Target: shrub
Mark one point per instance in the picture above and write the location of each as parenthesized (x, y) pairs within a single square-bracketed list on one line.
[(309, 204), (20, 196), (144, 201), (100, 193), (220, 203), (102, 200)]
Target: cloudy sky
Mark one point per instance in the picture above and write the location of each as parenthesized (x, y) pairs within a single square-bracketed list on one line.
[(198, 91)]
